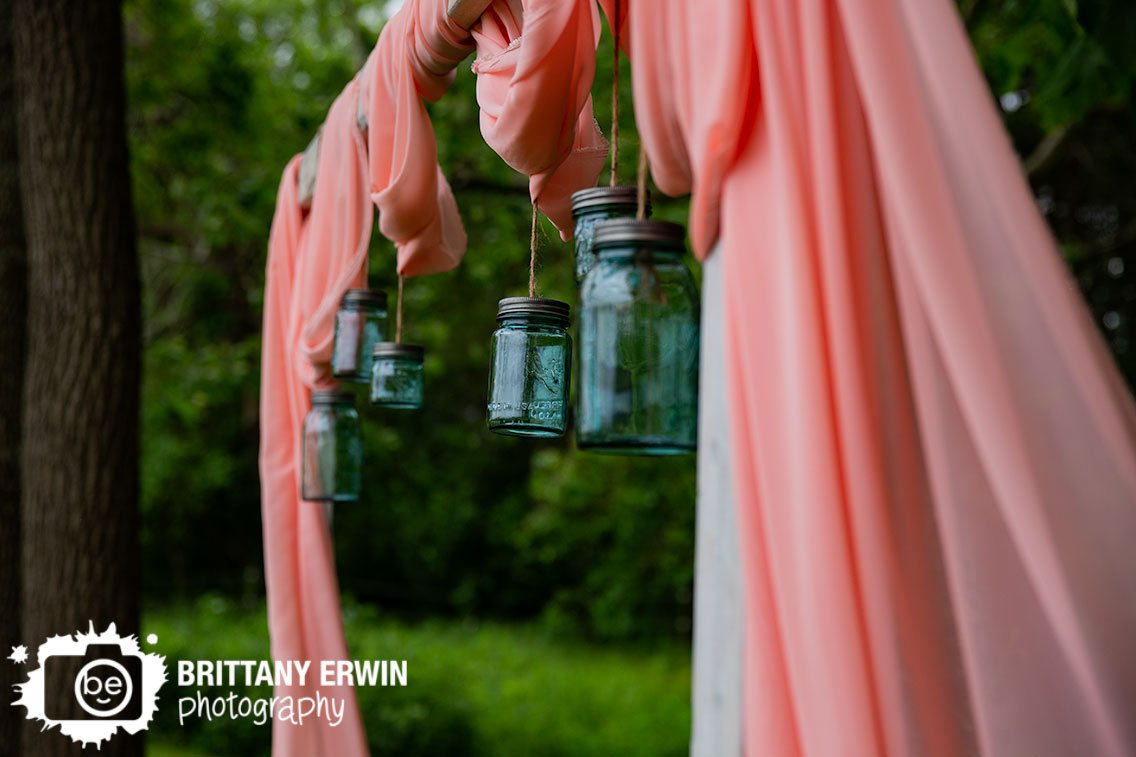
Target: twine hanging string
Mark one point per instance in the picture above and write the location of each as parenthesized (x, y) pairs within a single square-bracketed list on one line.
[(615, 95), (398, 313), (641, 213), (532, 255)]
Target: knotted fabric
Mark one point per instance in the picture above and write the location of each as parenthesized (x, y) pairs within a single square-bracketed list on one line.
[(414, 58), (535, 65)]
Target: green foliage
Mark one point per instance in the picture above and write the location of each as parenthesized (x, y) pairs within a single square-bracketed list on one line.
[(616, 546), (1064, 72), (473, 689), (200, 524)]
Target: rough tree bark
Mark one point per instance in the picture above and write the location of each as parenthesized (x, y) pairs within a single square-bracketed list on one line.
[(80, 422), (13, 322)]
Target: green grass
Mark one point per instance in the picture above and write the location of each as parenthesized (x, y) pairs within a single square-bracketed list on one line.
[(167, 750), (473, 688)]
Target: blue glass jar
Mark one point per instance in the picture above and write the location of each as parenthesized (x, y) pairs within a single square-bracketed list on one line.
[(332, 449), (531, 360), (639, 329), (359, 324), (397, 378), (589, 207)]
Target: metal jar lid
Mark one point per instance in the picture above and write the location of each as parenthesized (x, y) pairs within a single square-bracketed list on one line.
[(603, 197), (620, 232), (515, 306), (364, 298), (333, 397), (398, 349)]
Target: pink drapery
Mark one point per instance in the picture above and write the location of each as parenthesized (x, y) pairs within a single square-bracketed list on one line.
[(315, 257), (935, 459), (311, 259)]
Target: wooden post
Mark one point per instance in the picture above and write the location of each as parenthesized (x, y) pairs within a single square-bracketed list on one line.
[(719, 600)]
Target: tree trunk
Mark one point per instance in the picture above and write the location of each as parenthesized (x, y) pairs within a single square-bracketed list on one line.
[(80, 423), (13, 322)]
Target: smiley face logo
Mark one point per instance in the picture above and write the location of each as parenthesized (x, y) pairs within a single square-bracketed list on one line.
[(103, 688), (90, 685)]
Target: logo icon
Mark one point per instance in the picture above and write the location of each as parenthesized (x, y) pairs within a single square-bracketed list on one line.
[(91, 684)]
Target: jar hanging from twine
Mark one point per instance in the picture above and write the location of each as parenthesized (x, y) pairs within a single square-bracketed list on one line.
[(332, 449), (639, 333), (590, 207), (360, 323), (531, 359), (397, 378)]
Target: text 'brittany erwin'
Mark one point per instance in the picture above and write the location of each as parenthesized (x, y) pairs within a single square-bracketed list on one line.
[(291, 672)]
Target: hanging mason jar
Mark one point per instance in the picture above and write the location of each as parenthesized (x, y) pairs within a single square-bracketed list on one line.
[(359, 325), (332, 449), (530, 364), (396, 375), (638, 322), (589, 207)]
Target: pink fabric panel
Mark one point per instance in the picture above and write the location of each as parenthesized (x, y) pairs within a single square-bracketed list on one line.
[(687, 103), (935, 459), (312, 261), (303, 596), (1029, 432), (339, 232), (534, 90)]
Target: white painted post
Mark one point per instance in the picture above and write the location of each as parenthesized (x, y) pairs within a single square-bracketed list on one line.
[(719, 601)]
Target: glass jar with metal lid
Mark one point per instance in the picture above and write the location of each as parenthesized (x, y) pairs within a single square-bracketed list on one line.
[(591, 206), (531, 361), (396, 376), (639, 330), (332, 449), (359, 324)]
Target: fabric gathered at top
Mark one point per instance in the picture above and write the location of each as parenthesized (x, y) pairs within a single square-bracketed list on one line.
[(314, 257), (934, 456)]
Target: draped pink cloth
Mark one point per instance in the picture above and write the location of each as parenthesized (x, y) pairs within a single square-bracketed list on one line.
[(314, 258), (934, 456), (534, 89), (303, 595)]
